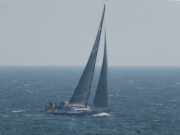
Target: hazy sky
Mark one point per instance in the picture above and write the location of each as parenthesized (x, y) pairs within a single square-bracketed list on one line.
[(62, 32)]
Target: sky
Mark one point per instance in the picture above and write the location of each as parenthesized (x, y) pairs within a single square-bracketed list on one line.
[(62, 32)]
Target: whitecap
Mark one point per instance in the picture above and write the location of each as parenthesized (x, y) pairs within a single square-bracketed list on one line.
[(18, 111), (101, 114), (172, 100), (56, 96), (39, 82), (130, 82), (156, 120), (26, 84), (157, 104), (14, 81)]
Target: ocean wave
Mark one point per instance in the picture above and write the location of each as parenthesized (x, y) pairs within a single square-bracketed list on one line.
[(26, 84), (130, 82), (173, 100), (39, 82), (28, 115), (14, 81), (101, 114), (18, 111)]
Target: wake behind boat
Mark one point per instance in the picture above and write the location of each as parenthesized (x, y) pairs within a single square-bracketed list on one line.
[(78, 104)]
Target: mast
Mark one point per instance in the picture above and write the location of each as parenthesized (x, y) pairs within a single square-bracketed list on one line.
[(82, 91), (102, 94)]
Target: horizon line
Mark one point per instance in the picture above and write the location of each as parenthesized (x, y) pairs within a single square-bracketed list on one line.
[(84, 66)]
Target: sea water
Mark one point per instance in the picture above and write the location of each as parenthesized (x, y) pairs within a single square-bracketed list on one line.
[(144, 100)]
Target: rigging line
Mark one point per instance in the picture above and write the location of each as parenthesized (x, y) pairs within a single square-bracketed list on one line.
[(84, 43), (100, 54), (105, 1)]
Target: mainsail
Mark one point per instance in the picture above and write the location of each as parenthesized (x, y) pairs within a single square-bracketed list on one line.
[(82, 91), (101, 99)]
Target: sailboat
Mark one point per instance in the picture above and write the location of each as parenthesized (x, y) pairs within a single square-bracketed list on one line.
[(78, 103)]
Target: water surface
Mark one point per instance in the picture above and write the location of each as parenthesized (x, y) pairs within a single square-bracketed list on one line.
[(142, 98)]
